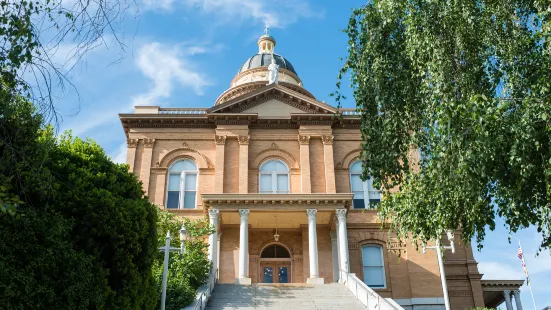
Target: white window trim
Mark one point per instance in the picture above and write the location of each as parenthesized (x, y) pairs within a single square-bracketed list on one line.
[(383, 265), (365, 189), (181, 190), (274, 178)]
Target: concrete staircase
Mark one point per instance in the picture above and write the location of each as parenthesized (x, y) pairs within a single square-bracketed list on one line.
[(282, 296)]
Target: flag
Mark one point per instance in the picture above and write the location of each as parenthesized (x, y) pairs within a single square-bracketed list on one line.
[(521, 256)]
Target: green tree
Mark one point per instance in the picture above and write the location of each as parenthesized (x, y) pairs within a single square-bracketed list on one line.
[(85, 236), (468, 84), (188, 271)]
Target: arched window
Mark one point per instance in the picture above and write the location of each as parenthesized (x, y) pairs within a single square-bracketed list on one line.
[(182, 185), (365, 196), (274, 177), (373, 265), (275, 251)]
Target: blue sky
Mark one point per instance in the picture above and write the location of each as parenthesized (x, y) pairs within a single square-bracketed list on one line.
[(184, 53)]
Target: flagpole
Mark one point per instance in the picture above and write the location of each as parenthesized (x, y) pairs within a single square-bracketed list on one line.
[(528, 281)]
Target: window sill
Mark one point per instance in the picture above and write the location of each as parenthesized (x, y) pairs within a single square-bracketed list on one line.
[(363, 210), (184, 210)]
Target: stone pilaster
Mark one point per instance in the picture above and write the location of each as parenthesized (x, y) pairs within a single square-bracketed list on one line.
[(219, 164), (329, 164), (132, 144), (243, 164), (146, 164), (306, 185)]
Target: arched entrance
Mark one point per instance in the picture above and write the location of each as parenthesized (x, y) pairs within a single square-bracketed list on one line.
[(275, 264)]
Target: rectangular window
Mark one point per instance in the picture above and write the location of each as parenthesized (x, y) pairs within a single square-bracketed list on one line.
[(282, 183), (190, 189), (173, 191), (265, 183), (373, 266), (357, 186)]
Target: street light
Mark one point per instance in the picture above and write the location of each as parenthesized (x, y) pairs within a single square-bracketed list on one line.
[(166, 249), (436, 247), (183, 238)]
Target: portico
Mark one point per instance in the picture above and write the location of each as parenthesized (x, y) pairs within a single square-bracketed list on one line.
[(299, 220)]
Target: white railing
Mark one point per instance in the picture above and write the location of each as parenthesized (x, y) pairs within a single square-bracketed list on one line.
[(365, 294), (204, 292), (349, 111), (182, 111)]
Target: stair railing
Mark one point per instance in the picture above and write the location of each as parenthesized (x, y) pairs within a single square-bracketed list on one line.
[(206, 290), (367, 296)]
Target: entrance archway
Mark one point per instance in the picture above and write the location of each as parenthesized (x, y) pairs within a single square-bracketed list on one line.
[(275, 264)]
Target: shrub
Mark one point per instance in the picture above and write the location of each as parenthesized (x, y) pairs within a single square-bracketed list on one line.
[(83, 236), (188, 271)]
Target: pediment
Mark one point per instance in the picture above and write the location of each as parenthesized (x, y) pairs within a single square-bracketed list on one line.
[(273, 101)]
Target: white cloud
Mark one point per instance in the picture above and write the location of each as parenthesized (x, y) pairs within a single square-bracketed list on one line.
[(166, 64), (277, 13), (499, 271), (119, 156)]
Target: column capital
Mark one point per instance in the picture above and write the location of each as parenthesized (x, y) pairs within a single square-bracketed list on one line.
[(243, 140), (327, 139), (341, 214), (244, 213), (516, 292), (132, 142), (312, 213), (213, 213), (507, 293), (148, 142), (220, 140), (304, 139)]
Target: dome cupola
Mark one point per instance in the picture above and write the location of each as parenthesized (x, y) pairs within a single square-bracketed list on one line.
[(254, 72)]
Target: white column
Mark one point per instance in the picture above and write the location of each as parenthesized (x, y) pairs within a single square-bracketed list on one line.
[(244, 248), (342, 239), (508, 304), (516, 294), (313, 248), (213, 220), (219, 235), (335, 256)]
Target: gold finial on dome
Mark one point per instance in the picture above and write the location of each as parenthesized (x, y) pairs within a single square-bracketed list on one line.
[(266, 43)]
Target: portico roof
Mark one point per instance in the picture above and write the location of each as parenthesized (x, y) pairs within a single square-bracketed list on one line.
[(277, 202), (493, 290)]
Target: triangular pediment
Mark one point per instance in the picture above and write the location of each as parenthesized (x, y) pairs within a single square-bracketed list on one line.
[(273, 108), (273, 101)]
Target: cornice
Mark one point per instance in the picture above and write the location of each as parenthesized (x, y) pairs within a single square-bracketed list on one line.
[(278, 201)]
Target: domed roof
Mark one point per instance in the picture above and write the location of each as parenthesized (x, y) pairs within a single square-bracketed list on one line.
[(264, 60)]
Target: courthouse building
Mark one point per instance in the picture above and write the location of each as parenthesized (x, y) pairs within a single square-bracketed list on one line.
[(277, 172)]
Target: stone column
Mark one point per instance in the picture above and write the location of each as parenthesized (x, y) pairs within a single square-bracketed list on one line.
[(218, 236), (508, 304), (244, 248), (219, 164), (306, 185), (213, 220), (335, 256), (131, 144), (313, 248), (516, 294), (343, 240), (243, 164), (146, 164), (329, 164)]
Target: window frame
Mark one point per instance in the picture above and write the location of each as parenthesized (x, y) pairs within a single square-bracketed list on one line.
[(274, 175), (383, 267), (182, 189), (365, 189)]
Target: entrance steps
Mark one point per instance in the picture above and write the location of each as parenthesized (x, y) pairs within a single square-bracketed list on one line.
[(283, 296)]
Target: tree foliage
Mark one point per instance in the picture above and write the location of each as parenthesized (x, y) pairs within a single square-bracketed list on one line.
[(468, 85), (188, 271), (84, 236)]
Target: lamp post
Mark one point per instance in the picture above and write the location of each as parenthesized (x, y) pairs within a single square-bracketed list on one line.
[(436, 247), (166, 249)]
